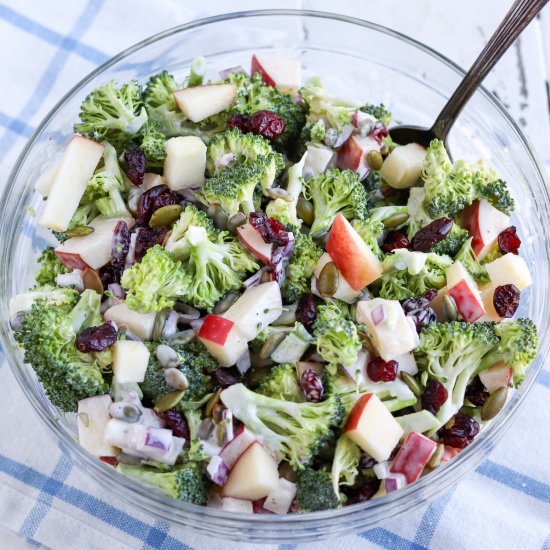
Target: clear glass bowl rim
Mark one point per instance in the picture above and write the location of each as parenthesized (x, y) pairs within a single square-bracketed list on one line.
[(438, 481)]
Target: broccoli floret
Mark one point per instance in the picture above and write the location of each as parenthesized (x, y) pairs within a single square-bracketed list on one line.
[(418, 217), (345, 465), (281, 383), (380, 112), (451, 353), (186, 482), (112, 114), (50, 267), (406, 274), (494, 190), (304, 258), (293, 431), (191, 364), (517, 346), (48, 334), (452, 243), (285, 211), (372, 184), (47, 293), (314, 491), (156, 282), (233, 189), (335, 191), (152, 144), (191, 216), (336, 336), (467, 257)]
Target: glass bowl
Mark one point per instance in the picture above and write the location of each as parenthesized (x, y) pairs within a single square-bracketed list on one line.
[(356, 58)]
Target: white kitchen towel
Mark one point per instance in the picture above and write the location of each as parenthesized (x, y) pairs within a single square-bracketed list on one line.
[(45, 48)]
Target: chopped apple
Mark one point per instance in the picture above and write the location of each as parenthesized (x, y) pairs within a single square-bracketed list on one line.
[(353, 154), (463, 290), (255, 474), (283, 74), (200, 102), (318, 159), (250, 237), (222, 339), (185, 162), (403, 166), (487, 292), (495, 377), (373, 428), (413, 456), (390, 332), (357, 372), (92, 418), (279, 500), (344, 292), (237, 446), (407, 363), (258, 307), (420, 421), (352, 256), (237, 505), (75, 170), (130, 360), (151, 180), (484, 223), (139, 324), (93, 250), (509, 269)]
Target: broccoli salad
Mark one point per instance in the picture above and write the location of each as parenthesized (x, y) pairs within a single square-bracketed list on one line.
[(258, 302)]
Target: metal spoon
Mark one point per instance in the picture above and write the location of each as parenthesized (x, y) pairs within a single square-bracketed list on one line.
[(520, 15)]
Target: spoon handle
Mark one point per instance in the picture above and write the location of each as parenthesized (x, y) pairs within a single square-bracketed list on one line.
[(520, 15)]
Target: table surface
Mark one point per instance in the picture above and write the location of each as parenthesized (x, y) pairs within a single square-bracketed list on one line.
[(456, 29)]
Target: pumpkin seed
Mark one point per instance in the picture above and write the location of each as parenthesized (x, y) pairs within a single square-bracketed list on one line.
[(91, 280), (218, 215), (235, 221), (176, 379), (327, 284), (169, 401), (123, 410), (266, 277), (396, 220), (449, 307), (215, 399), (305, 211), (160, 321), (80, 231), (384, 150), (435, 460), (287, 317), (412, 383), (165, 215), (217, 412), (271, 344), (494, 403), (181, 338), (374, 159), (226, 302), (167, 356), (279, 193)]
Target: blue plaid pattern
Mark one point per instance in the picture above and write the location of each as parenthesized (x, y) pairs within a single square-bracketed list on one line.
[(60, 488)]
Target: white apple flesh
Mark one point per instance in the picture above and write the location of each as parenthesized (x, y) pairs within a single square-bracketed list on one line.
[(318, 160), (139, 324), (495, 377), (344, 292), (353, 154), (151, 180), (130, 360), (185, 162), (222, 339), (509, 269), (200, 102), (464, 291), (250, 237), (92, 418), (237, 446), (403, 166), (283, 74)]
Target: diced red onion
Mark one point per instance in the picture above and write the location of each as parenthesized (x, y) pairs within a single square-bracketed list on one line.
[(196, 324), (131, 256), (238, 69), (116, 290), (158, 438), (378, 315), (289, 247), (394, 483), (255, 279), (217, 470)]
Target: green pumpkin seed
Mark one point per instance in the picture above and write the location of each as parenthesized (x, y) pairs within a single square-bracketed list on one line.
[(236, 221), (279, 193), (80, 231), (450, 309), (494, 403), (226, 302), (266, 277), (435, 460), (169, 401), (396, 220), (256, 374), (305, 211), (384, 150), (328, 280), (214, 400), (160, 321), (165, 215), (412, 383), (219, 217), (374, 159), (217, 412), (271, 344)]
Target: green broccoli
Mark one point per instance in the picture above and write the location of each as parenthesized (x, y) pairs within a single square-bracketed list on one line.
[(186, 482), (112, 114), (336, 336), (304, 258), (406, 274), (494, 190), (335, 191), (156, 282), (345, 466), (379, 112), (294, 431), (314, 491), (372, 184), (418, 217), (48, 333), (467, 257), (50, 267), (152, 143), (191, 216), (48, 293), (452, 243), (282, 383)]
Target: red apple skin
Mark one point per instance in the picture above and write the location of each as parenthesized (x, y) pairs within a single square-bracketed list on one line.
[(467, 304), (256, 67), (470, 222), (356, 262), (413, 456), (262, 251), (349, 155), (215, 329), (355, 414), (72, 261), (449, 453), (497, 376)]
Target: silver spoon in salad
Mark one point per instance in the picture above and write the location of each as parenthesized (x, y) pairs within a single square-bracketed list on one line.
[(518, 17)]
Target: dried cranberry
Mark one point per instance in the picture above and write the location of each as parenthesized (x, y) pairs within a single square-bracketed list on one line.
[(239, 121), (176, 422), (419, 310), (111, 460), (110, 273), (96, 338), (267, 124), (382, 371), (154, 199), (428, 236), (135, 158), (312, 386), (476, 392), (394, 240), (271, 230), (434, 396), (364, 493), (506, 300), (508, 241), (225, 378), (461, 432), (146, 238), (366, 462), (121, 243), (306, 312)]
